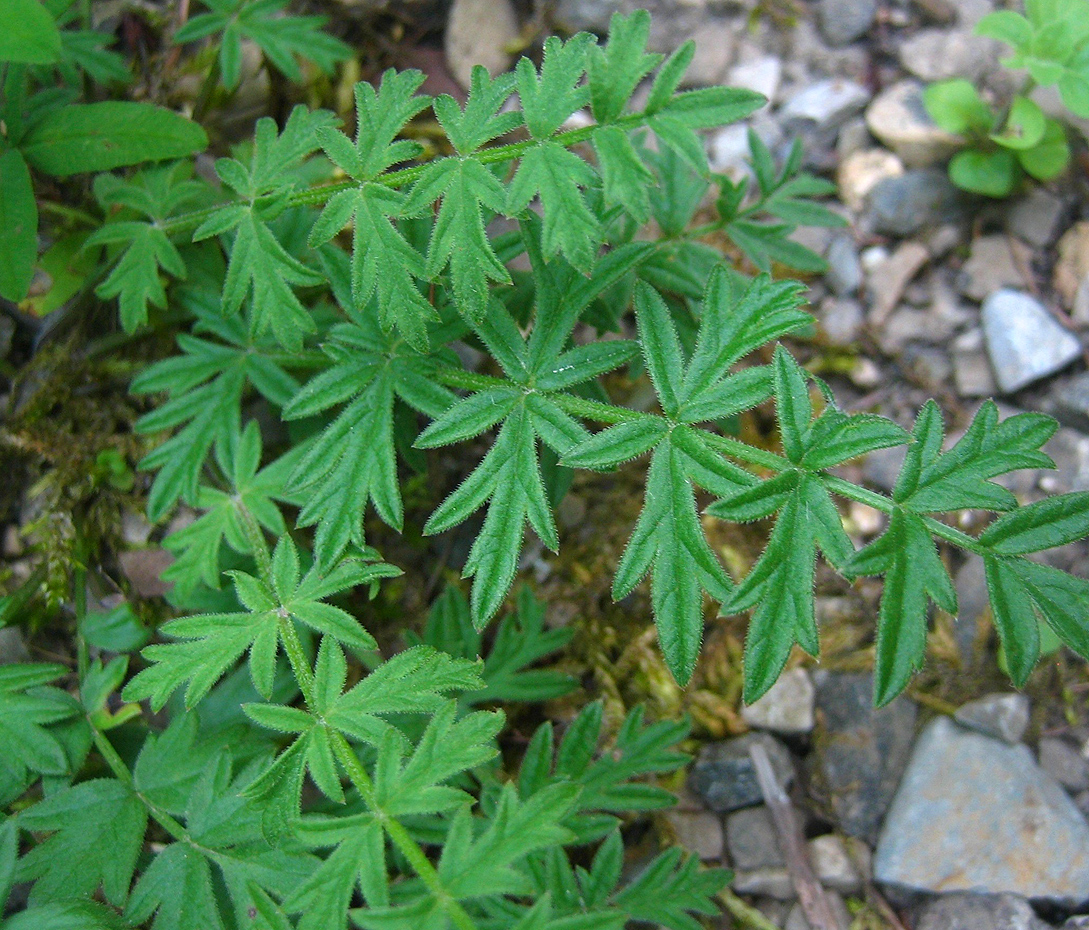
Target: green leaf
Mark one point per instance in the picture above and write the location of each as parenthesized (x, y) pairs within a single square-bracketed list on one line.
[(913, 571), (28, 33), (550, 97), (669, 888), (84, 137), (84, 820), (135, 277), (197, 546), (1024, 126), (932, 481), (1050, 156), (212, 643), (780, 585), (281, 38), (618, 444), (668, 541), (992, 173), (616, 70), (18, 222), (177, 888), (384, 264), (1006, 26), (353, 459), (381, 115), (957, 107), (626, 179), (414, 681), (459, 240), (25, 711), (68, 915), (661, 347), (550, 171), (1046, 524), (520, 640)]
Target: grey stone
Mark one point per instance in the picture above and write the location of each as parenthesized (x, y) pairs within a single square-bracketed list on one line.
[(929, 367), (1024, 342), (12, 646), (1070, 450), (903, 205), (841, 320), (1003, 716), (1079, 922), (979, 912), (699, 831), (1070, 402), (751, 839), (972, 600), (860, 751), (941, 54), (831, 861), (796, 920), (974, 813), (844, 274), (882, 467), (843, 21), (787, 707), (972, 372), (899, 119), (1064, 763), (826, 103), (771, 882), (723, 774), (716, 46), (1036, 217), (991, 265)]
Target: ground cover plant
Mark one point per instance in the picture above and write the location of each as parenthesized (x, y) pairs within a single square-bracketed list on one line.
[(257, 761), (1006, 144)]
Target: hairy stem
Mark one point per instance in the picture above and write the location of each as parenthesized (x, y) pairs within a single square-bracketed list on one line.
[(400, 837)]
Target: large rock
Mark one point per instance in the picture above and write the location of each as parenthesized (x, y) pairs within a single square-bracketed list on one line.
[(899, 119), (860, 752), (974, 813), (1024, 341)]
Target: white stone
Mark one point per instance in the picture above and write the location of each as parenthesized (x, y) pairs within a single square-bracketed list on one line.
[(899, 119), (763, 75), (826, 103), (1024, 341), (859, 173), (479, 32), (787, 707)]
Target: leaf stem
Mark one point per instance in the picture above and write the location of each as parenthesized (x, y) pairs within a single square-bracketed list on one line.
[(401, 838), (315, 196)]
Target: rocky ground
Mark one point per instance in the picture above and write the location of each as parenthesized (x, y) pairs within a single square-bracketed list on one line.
[(958, 805), (930, 813)]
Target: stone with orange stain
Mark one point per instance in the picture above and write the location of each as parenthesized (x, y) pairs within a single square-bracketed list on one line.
[(974, 813)]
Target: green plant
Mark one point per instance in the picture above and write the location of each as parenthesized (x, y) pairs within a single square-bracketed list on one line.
[(302, 779), (1051, 43)]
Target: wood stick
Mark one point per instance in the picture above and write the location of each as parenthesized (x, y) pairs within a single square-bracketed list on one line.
[(811, 895)]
